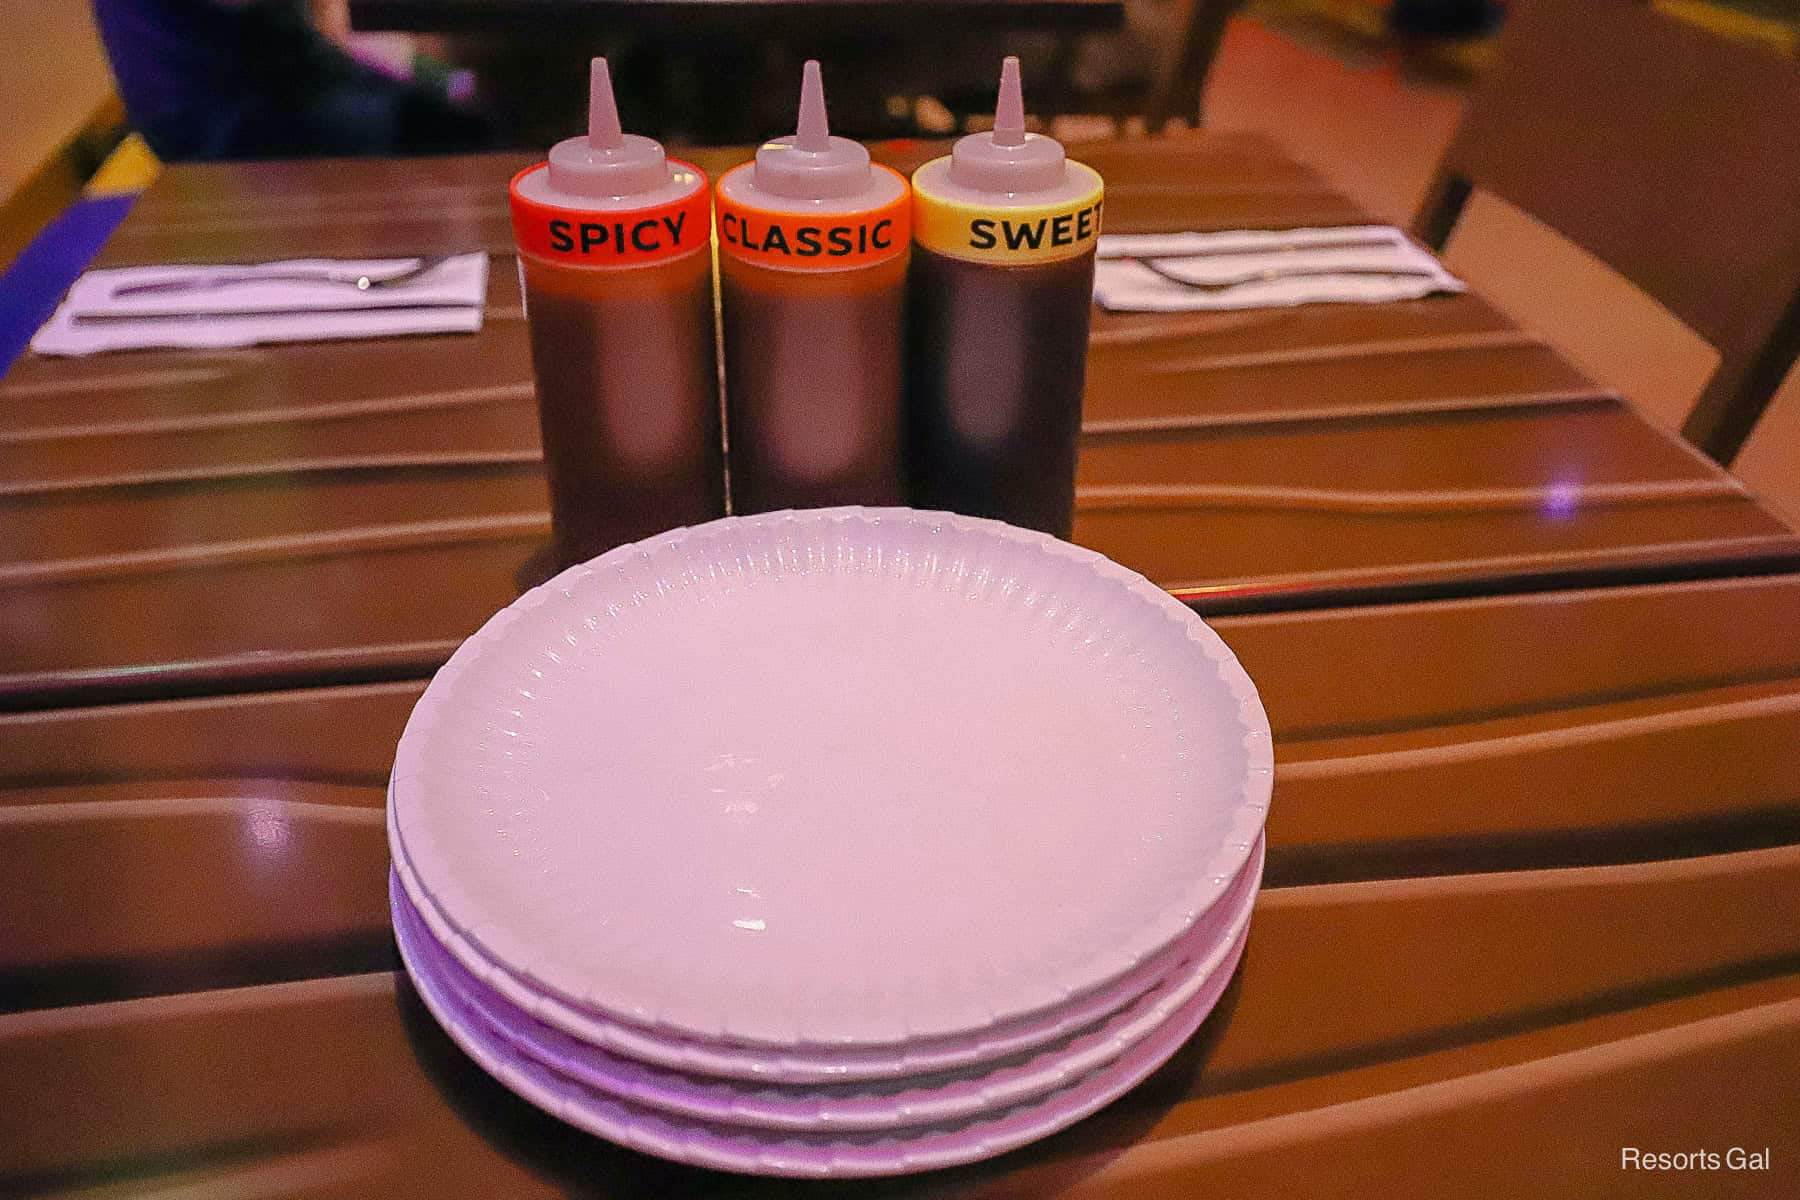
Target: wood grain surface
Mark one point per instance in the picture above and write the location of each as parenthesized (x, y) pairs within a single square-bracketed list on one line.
[(1534, 848), (1530, 860), (211, 521)]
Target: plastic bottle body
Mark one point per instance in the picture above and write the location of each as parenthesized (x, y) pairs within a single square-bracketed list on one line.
[(628, 399), (997, 365), (813, 303), (813, 382), (618, 294)]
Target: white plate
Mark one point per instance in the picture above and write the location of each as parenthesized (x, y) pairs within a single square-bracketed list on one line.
[(797, 1065), (934, 1098), (833, 778), (819, 1153)]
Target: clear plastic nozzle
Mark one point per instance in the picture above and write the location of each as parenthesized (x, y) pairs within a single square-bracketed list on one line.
[(608, 162), (1009, 109), (812, 132), (810, 164), (604, 131), (1007, 159)]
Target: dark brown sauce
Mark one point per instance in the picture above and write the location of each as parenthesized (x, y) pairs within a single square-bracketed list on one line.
[(996, 368), (628, 399), (813, 385)]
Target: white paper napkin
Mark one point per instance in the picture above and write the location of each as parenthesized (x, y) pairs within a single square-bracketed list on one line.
[(1122, 283), (448, 299)]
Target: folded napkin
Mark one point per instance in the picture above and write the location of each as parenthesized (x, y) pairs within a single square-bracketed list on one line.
[(1139, 272), (92, 318)]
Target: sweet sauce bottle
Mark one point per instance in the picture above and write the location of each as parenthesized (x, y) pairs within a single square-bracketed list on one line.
[(1002, 288), (813, 245), (615, 258)]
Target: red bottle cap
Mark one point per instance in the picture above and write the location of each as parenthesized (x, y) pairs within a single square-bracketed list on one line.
[(610, 198)]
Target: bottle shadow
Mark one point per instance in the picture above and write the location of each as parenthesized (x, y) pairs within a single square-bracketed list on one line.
[(539, 567)]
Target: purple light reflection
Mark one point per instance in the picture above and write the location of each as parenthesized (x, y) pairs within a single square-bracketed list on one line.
[(1561, 499)]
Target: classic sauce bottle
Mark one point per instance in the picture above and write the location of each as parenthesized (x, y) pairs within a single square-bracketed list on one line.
[(1002, 288), (813, 245), (614, 256)]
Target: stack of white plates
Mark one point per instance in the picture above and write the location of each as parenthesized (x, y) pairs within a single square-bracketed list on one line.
[(831, 843)]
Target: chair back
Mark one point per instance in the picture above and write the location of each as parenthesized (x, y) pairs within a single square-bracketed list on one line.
[(1670, 153)]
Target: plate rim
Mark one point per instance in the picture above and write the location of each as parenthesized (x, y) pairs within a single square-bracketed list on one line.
[(794, 1066), (965, 1096), (779, 1155), (1210, 876)]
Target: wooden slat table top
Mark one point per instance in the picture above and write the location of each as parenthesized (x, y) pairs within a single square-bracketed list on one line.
[(1531, 859), (195, 521)]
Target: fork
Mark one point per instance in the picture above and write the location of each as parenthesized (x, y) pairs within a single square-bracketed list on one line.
[(1271, 273), (1371, 243), (361, 281)]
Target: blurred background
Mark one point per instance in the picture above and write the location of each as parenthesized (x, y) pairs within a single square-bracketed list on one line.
[(1366, 91)]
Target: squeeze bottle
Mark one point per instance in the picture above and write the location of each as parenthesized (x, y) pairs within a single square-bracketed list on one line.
[(1001, 292), (614, 258), (813, 245)]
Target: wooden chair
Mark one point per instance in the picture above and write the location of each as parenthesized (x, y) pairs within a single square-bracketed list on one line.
[(1174, 85), (1668, 152), (1181, 81)]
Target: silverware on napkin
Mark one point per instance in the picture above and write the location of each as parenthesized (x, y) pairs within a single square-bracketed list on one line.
[(218, 306), (1260, 249), (1229, 269), (1270, 273), (105, 318), (361, 281)]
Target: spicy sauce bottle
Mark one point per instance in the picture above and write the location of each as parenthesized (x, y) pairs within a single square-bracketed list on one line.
[(1002, 289), (813, 244), (614, 255)]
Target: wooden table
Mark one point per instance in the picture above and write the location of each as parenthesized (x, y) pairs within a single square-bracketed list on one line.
[(265, 517), (1531, 666)]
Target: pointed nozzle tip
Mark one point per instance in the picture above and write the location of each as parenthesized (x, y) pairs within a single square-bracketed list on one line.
[(811, 131), (604, 130), (608, 161), (1007, 159), (1009, 111)]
